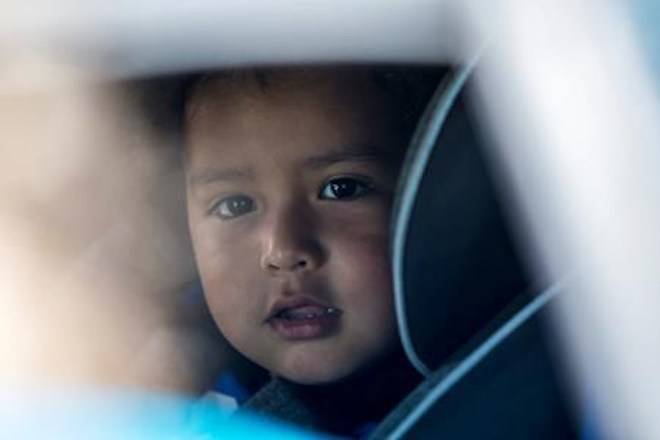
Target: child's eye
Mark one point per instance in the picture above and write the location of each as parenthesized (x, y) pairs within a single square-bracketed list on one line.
[(343, 188), (232, 207)]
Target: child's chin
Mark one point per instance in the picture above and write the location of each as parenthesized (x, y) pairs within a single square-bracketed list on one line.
[(316, 376)]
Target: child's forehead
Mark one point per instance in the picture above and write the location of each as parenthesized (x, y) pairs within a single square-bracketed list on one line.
[(342, 103), (341, 86), (310, 105), (312, 112)]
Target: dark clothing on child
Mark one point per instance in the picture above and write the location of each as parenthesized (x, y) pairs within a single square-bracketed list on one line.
[(350, 408)]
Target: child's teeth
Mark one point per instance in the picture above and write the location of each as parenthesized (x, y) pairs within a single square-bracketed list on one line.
[(307, 312)]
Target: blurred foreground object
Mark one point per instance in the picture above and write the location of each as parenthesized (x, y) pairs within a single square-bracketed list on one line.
[(134, 39), (100, 414), (572, 100), (91, 253)]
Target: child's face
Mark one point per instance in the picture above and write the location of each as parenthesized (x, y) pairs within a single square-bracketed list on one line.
[(289, 193)]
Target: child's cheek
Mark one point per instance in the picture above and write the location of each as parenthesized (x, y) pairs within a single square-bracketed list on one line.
[(363, 266), (363, 281), (225, 262), (363, 238)]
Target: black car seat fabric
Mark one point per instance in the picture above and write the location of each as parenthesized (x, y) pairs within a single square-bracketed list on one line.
[(468, 316), (505, 385), (454, 259)]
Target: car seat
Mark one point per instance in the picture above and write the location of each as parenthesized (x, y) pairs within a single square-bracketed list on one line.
[(471, 319)]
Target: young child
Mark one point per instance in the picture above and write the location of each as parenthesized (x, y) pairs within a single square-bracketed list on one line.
[(290, 176)]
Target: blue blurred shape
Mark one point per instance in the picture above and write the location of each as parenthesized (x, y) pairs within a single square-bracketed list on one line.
[(109, 414)]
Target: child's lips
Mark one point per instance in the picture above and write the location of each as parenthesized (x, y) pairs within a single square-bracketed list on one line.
[(304, 312), (303, 319)]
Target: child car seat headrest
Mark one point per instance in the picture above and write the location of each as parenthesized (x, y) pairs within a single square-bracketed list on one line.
[(455, 264)]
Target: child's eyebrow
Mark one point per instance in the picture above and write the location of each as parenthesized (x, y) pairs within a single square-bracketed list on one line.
[(211, 175), (360, 153), (356, 153)]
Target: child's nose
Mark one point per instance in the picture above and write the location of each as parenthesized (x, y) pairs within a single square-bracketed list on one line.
[(286, 262), (291, 243)]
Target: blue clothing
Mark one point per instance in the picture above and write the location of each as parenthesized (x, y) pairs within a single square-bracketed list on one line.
[(228, 384)]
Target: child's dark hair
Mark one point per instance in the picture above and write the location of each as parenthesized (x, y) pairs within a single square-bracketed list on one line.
[(408, 88)]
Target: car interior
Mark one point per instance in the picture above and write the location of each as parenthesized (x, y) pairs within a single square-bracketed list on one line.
[(472, 320), (475, 326), (479, 313)]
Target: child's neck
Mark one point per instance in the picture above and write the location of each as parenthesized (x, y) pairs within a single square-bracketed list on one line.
[(344, 406)]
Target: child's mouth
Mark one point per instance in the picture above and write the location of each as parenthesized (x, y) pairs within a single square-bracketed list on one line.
[(305, 322)]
